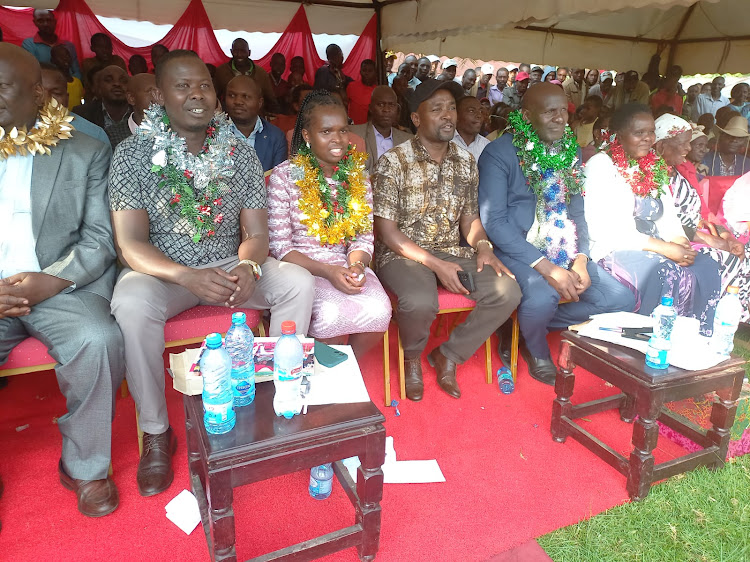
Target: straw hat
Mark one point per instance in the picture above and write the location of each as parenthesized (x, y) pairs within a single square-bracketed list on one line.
[(736, 127)]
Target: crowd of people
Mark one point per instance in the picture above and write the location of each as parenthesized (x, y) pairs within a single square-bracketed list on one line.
[(556, 192)]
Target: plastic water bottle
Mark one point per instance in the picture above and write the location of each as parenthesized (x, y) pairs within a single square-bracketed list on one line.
[(726, 321), (664, 316), (321, 481), (216, 367), (239, 345), (505, 380), (287, 372), (657, 353)]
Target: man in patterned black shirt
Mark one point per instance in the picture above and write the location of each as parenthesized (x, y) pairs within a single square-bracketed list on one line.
[(166, 271)]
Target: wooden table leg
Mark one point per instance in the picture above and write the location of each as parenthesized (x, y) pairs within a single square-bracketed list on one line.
[(564, 383), (221, 516), (723, 413), (645, 436), (627, 409), (369, 494)]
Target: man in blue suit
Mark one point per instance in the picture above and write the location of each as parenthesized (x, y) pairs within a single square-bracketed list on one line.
[(243, 102), (531, 205)]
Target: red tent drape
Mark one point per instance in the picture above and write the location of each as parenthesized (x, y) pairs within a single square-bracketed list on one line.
[(16, 24), (363, 49), (297, 40), (77, 23)]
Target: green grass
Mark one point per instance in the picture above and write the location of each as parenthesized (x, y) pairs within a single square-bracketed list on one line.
[(703, 515)]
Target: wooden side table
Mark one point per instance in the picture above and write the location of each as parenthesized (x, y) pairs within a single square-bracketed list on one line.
[(263, 445), (644, 392)]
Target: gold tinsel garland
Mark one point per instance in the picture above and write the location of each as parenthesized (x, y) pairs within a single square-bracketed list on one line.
[(346, 224), (52, 126)]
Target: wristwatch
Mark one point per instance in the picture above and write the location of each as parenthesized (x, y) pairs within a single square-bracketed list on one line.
[(485, 241), (257, 271)]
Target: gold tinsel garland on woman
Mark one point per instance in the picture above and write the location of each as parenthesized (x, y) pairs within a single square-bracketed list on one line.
[(333, 219)]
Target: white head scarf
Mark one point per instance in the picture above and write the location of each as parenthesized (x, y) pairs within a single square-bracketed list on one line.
[(668, 126)]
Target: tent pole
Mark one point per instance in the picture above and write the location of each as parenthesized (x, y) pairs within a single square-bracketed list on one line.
[(379, 62), (674, 43)]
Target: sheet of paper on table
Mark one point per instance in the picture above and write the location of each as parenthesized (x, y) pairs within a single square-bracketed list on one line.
[(689, 351), (183, 511), (341, 384), (401, 472)]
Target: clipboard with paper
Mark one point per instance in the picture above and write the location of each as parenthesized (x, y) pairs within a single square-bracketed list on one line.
[(690, 350)]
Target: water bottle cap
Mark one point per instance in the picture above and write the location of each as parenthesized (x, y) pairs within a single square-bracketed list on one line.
[(667, 301), (239, 318), (288, 327), (733, 289), (213, 341)]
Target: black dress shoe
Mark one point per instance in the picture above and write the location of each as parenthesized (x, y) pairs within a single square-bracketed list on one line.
[(446, 372), (155, 472), (543, 370), (413, 378), (505, 339), (96, 498)]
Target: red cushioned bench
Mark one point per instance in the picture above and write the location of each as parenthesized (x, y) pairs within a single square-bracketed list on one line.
[(186, 328), (189, 327)]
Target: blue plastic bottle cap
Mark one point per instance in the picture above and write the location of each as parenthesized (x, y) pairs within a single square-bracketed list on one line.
[(667, 301), (213, 341), (238, 318)]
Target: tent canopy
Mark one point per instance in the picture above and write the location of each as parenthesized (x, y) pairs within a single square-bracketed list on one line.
[(705, 36)]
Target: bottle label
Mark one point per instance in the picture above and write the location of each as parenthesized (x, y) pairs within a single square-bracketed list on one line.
[(657, 358), (321, 487), (289, 375), (217, 413), (242, 388)]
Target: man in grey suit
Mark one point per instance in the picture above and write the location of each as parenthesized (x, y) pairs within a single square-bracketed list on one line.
[(57, 271), (379, 133)]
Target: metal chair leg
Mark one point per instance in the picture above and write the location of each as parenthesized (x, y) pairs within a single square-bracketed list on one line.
[(387, 368), (515, 342)]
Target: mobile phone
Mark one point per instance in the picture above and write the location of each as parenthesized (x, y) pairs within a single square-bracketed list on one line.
[(327, 355), (467, 280)]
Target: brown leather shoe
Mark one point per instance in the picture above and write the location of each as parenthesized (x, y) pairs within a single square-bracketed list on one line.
[(446, 372), (413, 378), (96, 498), (155, 472)]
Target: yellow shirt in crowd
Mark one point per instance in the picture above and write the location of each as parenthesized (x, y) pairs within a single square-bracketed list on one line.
[(75, 93)]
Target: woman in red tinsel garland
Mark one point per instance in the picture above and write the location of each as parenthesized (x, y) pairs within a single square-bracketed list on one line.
[(633, 226)]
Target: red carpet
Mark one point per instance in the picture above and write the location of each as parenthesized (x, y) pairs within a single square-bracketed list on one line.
[(507, 481)]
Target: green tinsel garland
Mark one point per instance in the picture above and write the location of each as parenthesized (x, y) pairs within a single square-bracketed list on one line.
[(536, 160)]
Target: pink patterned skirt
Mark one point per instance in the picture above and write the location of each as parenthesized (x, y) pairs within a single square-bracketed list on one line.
[(335, 313)]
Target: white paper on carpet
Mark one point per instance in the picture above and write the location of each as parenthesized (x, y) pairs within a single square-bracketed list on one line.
[(401, 472), (183, 511)]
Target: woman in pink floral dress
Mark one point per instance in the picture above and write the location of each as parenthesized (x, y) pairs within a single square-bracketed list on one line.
[(320, 217)]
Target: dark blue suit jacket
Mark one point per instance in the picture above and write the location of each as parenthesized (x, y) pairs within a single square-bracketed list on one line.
[(507, 204), (270, 146)]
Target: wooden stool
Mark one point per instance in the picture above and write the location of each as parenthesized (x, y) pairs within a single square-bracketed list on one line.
[(644, 391), (263, 446)]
